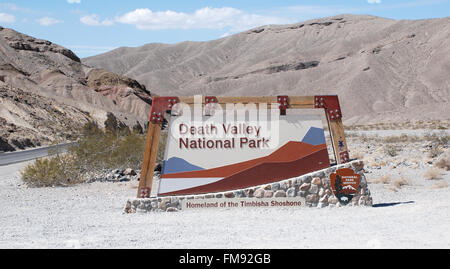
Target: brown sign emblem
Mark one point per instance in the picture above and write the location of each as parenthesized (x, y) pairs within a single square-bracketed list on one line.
[(345, 184)]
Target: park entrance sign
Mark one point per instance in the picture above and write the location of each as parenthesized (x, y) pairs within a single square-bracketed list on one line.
[(219, 155), (220, 144)]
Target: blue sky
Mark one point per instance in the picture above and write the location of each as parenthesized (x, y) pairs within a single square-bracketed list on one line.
[(90, 27)]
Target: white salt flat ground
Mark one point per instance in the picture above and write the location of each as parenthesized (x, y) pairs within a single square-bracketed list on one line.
[(90, 216)]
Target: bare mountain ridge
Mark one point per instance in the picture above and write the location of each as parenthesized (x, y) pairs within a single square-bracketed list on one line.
[(46, 93), (382, 69)]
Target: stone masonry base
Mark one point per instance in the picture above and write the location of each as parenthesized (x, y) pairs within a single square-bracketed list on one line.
[(314, 187)]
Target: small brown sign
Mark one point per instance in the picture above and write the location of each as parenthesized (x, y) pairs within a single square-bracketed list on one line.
[(345, 184)]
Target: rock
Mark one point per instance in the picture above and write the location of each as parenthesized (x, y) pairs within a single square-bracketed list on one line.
[(365, 201), (363, 181), (326, 183), (239, 194), (171, 209), (268, 187), (268, 194), (284, 185), (124, 179), (314, 189), (249, 192), (324, 200), (302, 193), (305, 186), (129, 172), (275, 186), (175, 201), (127, 208), (333, 200), (319, 175), (280, 193), (147, 205), (358, 166), (229, 194), (219, 195), (259, 193), (135, 203), (307, 179), (290, 192), (163, 203), (312, 198), (321, 192), (316, 181)]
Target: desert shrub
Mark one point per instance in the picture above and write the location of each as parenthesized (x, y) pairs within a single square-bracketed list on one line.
[(382, 179), (403, 138), (115, 126), (438, 139), (434, 151), (95, 151), (433, 173), (440, 185), (443, 163), (391, 150), (137, 128), (106, 150), (399, 182), (53, 171)]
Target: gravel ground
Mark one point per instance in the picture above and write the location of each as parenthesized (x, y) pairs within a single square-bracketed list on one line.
[(90, 216)]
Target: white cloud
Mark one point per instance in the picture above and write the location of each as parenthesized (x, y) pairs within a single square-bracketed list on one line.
[(73, 1), (94, 20), (374, 1), (7, 18), (47, 21), (204, 18)]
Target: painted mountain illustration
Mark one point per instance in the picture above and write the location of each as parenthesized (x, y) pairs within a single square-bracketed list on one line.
[(315, 136), (292, 159), (175, 165), (349, 187)]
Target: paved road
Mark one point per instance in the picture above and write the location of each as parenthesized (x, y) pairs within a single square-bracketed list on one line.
[(31, 154)]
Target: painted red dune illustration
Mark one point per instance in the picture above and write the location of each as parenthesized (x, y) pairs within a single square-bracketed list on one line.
[(293, 159), (292, 150)]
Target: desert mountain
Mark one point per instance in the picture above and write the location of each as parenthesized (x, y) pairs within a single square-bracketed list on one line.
[(46, 93), (382, 69)]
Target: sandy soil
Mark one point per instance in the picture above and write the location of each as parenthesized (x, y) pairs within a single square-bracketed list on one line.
[(416, 215)]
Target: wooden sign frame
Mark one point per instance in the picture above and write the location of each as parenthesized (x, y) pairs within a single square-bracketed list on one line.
[(160, 105)]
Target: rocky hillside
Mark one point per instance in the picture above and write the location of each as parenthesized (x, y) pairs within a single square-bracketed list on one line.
[(46, 93), (382, 69)]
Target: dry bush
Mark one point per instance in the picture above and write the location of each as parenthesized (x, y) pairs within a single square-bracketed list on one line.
[(49, 172), (399, 182), (440, 185), (383, 180), (433, 173), (438, 139), (95, 151), (391, 150), (435, 151), (443, 163)]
